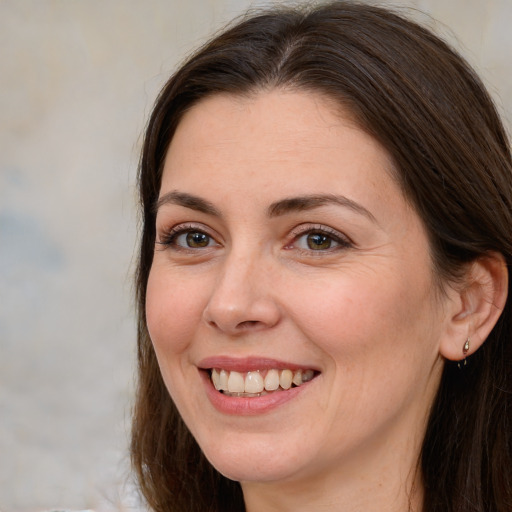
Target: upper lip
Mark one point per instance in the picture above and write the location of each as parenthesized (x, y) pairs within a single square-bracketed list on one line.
[(248, 364)]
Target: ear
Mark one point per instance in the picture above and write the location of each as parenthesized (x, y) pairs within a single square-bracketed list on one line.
[(478, 304)]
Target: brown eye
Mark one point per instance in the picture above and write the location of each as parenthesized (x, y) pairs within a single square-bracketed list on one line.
[(187, 238), (319, 241), (196, 239)]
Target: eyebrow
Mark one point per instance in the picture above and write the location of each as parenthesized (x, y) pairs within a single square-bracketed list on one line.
[(309, 202), (188, 201), (281, 207)]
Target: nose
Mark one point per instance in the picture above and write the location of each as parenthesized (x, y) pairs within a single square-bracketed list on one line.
[(243, 299)]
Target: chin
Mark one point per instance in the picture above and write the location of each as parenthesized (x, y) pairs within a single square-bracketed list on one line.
[(255, 461), (241, 471)]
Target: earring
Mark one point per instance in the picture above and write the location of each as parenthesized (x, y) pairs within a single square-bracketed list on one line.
[(465, 350)]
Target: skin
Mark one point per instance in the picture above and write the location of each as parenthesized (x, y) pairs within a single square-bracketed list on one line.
[(364, 312)]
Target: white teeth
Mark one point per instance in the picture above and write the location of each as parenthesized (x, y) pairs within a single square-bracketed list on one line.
[(223, 380), (285, 379), (236, 383), (297, 377), (253, 382), (272, 380), (215, 379)]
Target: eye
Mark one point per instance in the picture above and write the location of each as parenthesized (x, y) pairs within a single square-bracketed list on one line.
[(316, 241), (319, 239), (186, 237), (193, 240)]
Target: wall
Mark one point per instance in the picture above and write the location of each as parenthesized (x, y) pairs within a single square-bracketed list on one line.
[(77, 82)]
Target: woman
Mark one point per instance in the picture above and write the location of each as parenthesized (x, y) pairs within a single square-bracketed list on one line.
[(322, 283)]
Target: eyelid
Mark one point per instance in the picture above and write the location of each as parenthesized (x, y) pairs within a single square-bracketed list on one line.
[(321, 228), (167, 236), (304, 229)]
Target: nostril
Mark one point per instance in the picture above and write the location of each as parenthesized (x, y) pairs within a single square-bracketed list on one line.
[(211, 323)]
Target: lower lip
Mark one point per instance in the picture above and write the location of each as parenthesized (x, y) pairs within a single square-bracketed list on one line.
[(240, 406)]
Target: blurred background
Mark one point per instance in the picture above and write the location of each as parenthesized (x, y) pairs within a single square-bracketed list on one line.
[(77, 82)]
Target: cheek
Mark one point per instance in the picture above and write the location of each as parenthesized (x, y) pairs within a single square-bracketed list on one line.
[(173, 311), (377, 336), (367, 314)]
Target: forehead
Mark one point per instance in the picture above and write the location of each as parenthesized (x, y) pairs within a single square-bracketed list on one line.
[(273, 137)]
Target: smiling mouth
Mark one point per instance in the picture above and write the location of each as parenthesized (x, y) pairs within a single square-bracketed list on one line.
[(259, 382)]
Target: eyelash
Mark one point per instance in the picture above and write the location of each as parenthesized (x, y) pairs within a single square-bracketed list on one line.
[(331, 235), (169, 238)]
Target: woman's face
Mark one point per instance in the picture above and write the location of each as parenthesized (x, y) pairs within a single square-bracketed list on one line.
[(286, 251)]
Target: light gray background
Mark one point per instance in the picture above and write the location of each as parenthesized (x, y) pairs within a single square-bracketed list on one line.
[(77, 81)]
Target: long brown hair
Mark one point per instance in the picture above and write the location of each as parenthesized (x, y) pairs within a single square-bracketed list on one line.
[(427, 107)]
